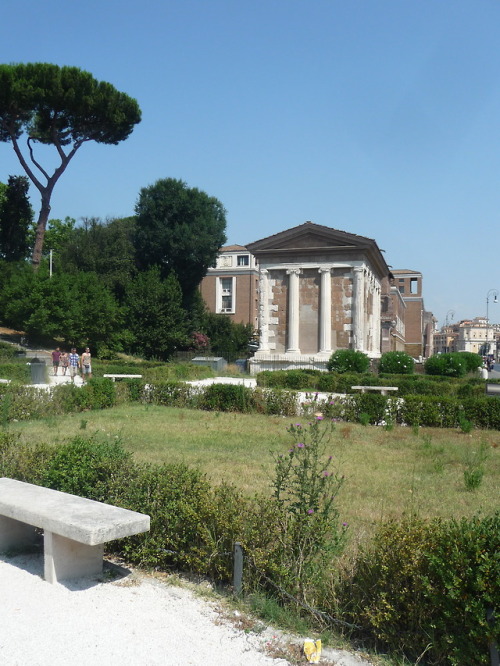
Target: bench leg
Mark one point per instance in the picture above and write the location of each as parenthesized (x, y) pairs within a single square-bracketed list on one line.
[(65, 558), (15, 534)]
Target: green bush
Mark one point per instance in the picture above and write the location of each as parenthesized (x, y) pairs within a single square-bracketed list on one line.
[(85, 467), (348, 360), (423, 589), (17, 371), (7, 351), (275, 401), (227, 398), (397, 362), (473, 361), (453, 364), (170, 394), (23, 462)]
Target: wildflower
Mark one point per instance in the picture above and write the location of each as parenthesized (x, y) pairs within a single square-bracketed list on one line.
[(310, 511), (325, 473), (300, 445), (344, 524)]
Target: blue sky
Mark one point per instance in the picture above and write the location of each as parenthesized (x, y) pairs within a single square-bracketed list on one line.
[(377, 117)]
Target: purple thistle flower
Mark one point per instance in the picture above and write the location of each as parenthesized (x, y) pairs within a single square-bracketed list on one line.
[(300, 445), (310, 511), (325, 473)]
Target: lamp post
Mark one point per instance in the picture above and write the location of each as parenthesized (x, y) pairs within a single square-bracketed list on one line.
[(495, 300)]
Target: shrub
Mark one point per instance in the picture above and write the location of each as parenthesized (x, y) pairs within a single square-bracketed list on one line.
[(473, 361), (85, 467), (275, 401), (170, 394), (227, 398), (426, 587), (453, 364), (397, 362), (348, 360)]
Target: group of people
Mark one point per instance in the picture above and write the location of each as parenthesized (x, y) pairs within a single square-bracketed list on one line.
[(72, 363)]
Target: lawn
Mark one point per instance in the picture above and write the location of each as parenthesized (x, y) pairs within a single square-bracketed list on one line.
[(387, 472)]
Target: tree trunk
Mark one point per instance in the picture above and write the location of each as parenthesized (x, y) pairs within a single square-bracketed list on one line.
[(41, 225)]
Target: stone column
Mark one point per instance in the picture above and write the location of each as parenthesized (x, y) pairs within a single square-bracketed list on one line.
[(264, 310), (377, 317), (293, 310), (358, 309), (325, 310)]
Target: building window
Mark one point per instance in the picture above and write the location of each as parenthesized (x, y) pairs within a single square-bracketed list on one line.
[(402, 289), (243, 260), (413, 286), (226, 294)]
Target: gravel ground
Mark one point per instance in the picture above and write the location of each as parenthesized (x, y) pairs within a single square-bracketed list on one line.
[(131, 619)]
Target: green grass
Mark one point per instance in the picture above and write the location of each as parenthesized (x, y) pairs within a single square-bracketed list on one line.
[(388, 472)]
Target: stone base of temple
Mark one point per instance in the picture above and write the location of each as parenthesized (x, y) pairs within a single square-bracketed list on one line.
[(290, 361)]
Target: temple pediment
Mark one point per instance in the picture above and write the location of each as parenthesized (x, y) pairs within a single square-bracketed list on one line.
[(310, 236)]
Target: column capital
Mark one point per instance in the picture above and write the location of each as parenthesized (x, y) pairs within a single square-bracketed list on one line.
[(294, 271)]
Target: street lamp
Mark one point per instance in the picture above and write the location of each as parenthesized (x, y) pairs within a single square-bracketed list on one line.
[(495, 300)]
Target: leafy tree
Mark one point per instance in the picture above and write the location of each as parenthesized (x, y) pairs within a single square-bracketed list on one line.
[(16, 216), (77, 309), (348, 360), (104, 248), (63, 107), (226, 337), (156, 318), (58, 233), (179, 229)]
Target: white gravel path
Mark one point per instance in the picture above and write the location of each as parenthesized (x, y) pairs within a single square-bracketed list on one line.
[(131, 620)]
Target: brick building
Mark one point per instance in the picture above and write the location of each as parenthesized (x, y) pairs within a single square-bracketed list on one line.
[(419, 324), (231, 286)]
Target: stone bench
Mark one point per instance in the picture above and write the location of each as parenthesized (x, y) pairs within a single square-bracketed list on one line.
[(493, 389), (383, 390), (75, 529), (115, 377)]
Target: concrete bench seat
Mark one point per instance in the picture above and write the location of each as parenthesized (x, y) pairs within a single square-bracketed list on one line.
[(115, 377), (383, 390), (493, 389), (75, 529)]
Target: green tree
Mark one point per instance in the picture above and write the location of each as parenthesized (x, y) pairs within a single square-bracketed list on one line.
[(63, 107), (156, 317), (77, 309), (105, 248), (16, 216), (179, 229), (226, 337)]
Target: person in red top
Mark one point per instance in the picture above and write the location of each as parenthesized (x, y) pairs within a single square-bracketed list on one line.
[(56, 355)]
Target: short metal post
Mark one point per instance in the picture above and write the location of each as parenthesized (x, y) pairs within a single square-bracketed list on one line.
[(237, 568), (494, 656)]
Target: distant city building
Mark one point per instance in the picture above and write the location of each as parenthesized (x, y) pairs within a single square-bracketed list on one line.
[(477, 336)]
